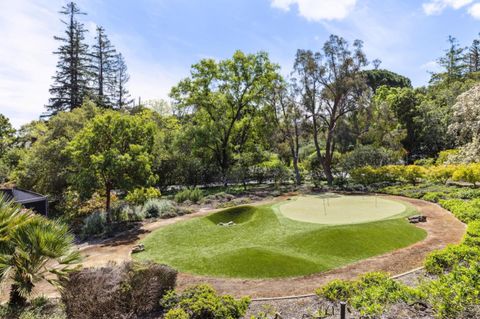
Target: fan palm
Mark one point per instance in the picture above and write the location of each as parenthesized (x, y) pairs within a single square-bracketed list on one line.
[(32, 248)]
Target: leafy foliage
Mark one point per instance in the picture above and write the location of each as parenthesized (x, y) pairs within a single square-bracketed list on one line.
[(29, 244), (202, 302), (140, 195), (101, 161), (370, 294), (193, 195)]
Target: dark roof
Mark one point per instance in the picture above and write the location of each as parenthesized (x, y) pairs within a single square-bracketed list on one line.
[(22, 196)]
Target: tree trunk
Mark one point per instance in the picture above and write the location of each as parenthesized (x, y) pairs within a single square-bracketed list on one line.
[(298, 178), (327, 169), (107, 204)]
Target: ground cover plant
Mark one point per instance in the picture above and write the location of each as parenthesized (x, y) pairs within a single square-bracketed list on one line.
[(262, 243), (453, 287)]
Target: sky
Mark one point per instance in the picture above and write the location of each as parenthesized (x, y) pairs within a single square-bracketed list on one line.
[(161, 39)]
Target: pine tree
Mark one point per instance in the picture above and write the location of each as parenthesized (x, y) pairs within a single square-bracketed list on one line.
[(122, 96), (103, 69), (473, 57), (71, 79), (453, 60)]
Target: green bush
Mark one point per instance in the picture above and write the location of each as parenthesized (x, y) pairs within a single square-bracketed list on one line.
[(202, 302), (140, 195), (465, 193), (136, 214), (194, 195), (176, 314), (337, 290), (443, 261), (369, 295), (94, 224), (452, 294), (367, 175), (411, 173), (466, 211), (434, 196), (154, 208), (121, 212), (472, 237), (38, 308)]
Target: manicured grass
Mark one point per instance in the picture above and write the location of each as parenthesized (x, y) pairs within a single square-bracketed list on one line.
[(265, 244), (333, 209)]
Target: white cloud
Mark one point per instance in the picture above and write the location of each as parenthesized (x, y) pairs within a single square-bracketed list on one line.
[(26, 60), (317, 10), (435, 7), (474, 11)]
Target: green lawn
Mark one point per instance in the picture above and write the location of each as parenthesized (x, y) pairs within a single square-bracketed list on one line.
[(265, 244)]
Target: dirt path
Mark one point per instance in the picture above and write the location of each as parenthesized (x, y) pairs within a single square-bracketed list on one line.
[(442, 227)]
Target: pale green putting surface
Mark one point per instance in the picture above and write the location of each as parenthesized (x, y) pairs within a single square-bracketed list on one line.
[(333, 209)]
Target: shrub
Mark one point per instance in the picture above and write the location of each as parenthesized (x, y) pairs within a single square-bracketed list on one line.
[(38, 308), (140, 195), (369, 295), (94, 224), (412, 173), (442, 261), (234, 202), (454, 293), (120, 212), (220, 197), (337, 290), (367, 175), (125, 291), (466, 193), (154, 208), (472, 237), (441, 173), (136, 214), (466, 211), (433, 196), (469, 173), (176, 314), (194, 195), (202, 302), (446, 156)]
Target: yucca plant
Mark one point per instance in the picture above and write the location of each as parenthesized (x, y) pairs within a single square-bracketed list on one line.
[(32, 248)]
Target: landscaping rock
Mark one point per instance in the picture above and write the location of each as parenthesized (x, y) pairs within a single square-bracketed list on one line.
[(417, 219), (138, 248)]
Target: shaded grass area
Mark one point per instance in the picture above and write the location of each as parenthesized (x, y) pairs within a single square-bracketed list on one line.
[(264, 244)]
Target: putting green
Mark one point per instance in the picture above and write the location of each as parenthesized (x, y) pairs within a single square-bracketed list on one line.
[(263, 243), (333, 209)]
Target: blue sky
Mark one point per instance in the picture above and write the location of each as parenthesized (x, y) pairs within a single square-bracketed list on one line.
[(161, 39)]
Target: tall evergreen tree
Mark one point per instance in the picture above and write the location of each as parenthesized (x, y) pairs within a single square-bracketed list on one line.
[(122, 97), (70, 85), (452, 61), (103, 58), (473, 56)]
